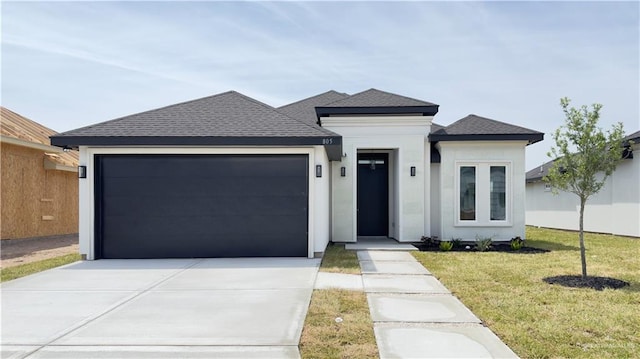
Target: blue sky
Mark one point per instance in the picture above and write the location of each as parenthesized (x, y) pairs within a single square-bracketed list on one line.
[(71, 64)]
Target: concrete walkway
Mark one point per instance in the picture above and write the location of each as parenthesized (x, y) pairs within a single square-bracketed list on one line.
[(414, 315)]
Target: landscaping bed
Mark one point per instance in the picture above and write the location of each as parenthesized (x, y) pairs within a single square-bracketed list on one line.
[(470, 247)]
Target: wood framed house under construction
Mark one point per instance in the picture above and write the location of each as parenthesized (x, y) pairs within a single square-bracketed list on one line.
[(39, 195)]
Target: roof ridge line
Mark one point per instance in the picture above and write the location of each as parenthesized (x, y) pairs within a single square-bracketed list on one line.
[(304, 122), (258, 102), (276, 110), (501, 122), (308, 98), (147, 111)]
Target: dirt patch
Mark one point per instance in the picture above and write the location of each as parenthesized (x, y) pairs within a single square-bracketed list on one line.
[(14, 252), (576, 281)]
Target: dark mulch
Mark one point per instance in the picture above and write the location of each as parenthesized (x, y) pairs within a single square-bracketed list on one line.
[(504, 248), (576, 281)]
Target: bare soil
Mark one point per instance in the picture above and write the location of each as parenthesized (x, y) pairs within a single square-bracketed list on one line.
[(576, 281), (14, 252)]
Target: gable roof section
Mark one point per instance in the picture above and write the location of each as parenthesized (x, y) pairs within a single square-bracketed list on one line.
[(305, 109), (229, 118), (476, 128), (376, 102), (21, 131)]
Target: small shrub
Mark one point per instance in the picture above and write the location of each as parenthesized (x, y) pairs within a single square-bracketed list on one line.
[(430, 241), (446, 246), (483, 244), (516, 243), (457, 242)]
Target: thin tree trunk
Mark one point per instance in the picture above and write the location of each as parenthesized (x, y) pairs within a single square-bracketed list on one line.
[(583, 256)]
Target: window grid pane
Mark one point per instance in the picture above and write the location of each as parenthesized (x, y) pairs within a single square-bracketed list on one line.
[(498, 193), (467, 193)]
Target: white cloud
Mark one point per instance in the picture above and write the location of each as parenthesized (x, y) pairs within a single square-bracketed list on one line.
[(510, 61)]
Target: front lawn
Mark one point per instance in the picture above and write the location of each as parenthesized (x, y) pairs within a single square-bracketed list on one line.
[(34, 267), (539, 320), (352, 335)]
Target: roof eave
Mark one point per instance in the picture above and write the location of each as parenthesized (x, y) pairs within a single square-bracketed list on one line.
[(530, 138), (430, 110), (29, 144), (330, 142)]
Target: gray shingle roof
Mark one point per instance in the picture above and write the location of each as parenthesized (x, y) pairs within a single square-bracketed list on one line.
[(229, 114), (476, 128), (377, 98), (305, 109), (436, 127), (635, 137), (376, 102), (537, 173)]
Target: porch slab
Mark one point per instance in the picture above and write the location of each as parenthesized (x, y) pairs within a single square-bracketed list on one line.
[(379, 244), (388, 267), (326, 280), (428, 341), (402, 284), (419, 308), (371, 255)]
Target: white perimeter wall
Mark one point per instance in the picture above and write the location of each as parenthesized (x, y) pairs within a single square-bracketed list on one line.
[(405, 138), (453, 153), (318, 187), (615, 209)]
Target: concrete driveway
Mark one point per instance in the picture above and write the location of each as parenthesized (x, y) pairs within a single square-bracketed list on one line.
[(159, 308)]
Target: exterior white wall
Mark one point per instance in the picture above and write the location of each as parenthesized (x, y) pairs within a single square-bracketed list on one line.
[(318, 187), (322, 199), (436, 218), (405, 137), (615, 209), (454, 153), (85, 206)]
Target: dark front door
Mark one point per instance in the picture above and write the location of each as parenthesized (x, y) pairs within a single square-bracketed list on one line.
[(373, 194), (183, 206)]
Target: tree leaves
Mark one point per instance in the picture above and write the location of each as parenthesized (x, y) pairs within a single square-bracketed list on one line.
[(584, 155)]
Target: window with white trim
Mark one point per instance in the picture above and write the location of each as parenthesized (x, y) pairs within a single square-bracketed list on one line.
[(467, 193), (483, 193), (498, 192)]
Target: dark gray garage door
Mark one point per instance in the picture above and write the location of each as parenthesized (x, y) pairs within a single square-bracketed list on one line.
[(183, 206)]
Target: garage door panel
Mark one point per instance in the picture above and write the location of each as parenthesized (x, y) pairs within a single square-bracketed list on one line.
[(204, 205), (224, 187), (175, 206), (126, 228), (205, 166)]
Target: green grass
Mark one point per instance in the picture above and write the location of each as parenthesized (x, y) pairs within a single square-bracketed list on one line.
[(338, 260), (539, 320), (35, 267), (322, 337)]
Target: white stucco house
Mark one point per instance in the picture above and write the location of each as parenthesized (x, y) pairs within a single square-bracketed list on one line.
[(229, 176), (614, 210)]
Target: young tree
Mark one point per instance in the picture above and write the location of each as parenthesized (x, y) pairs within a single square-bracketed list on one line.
[(585, 157)]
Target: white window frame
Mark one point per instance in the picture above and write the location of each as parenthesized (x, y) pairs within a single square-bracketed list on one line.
[(483, 194)]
